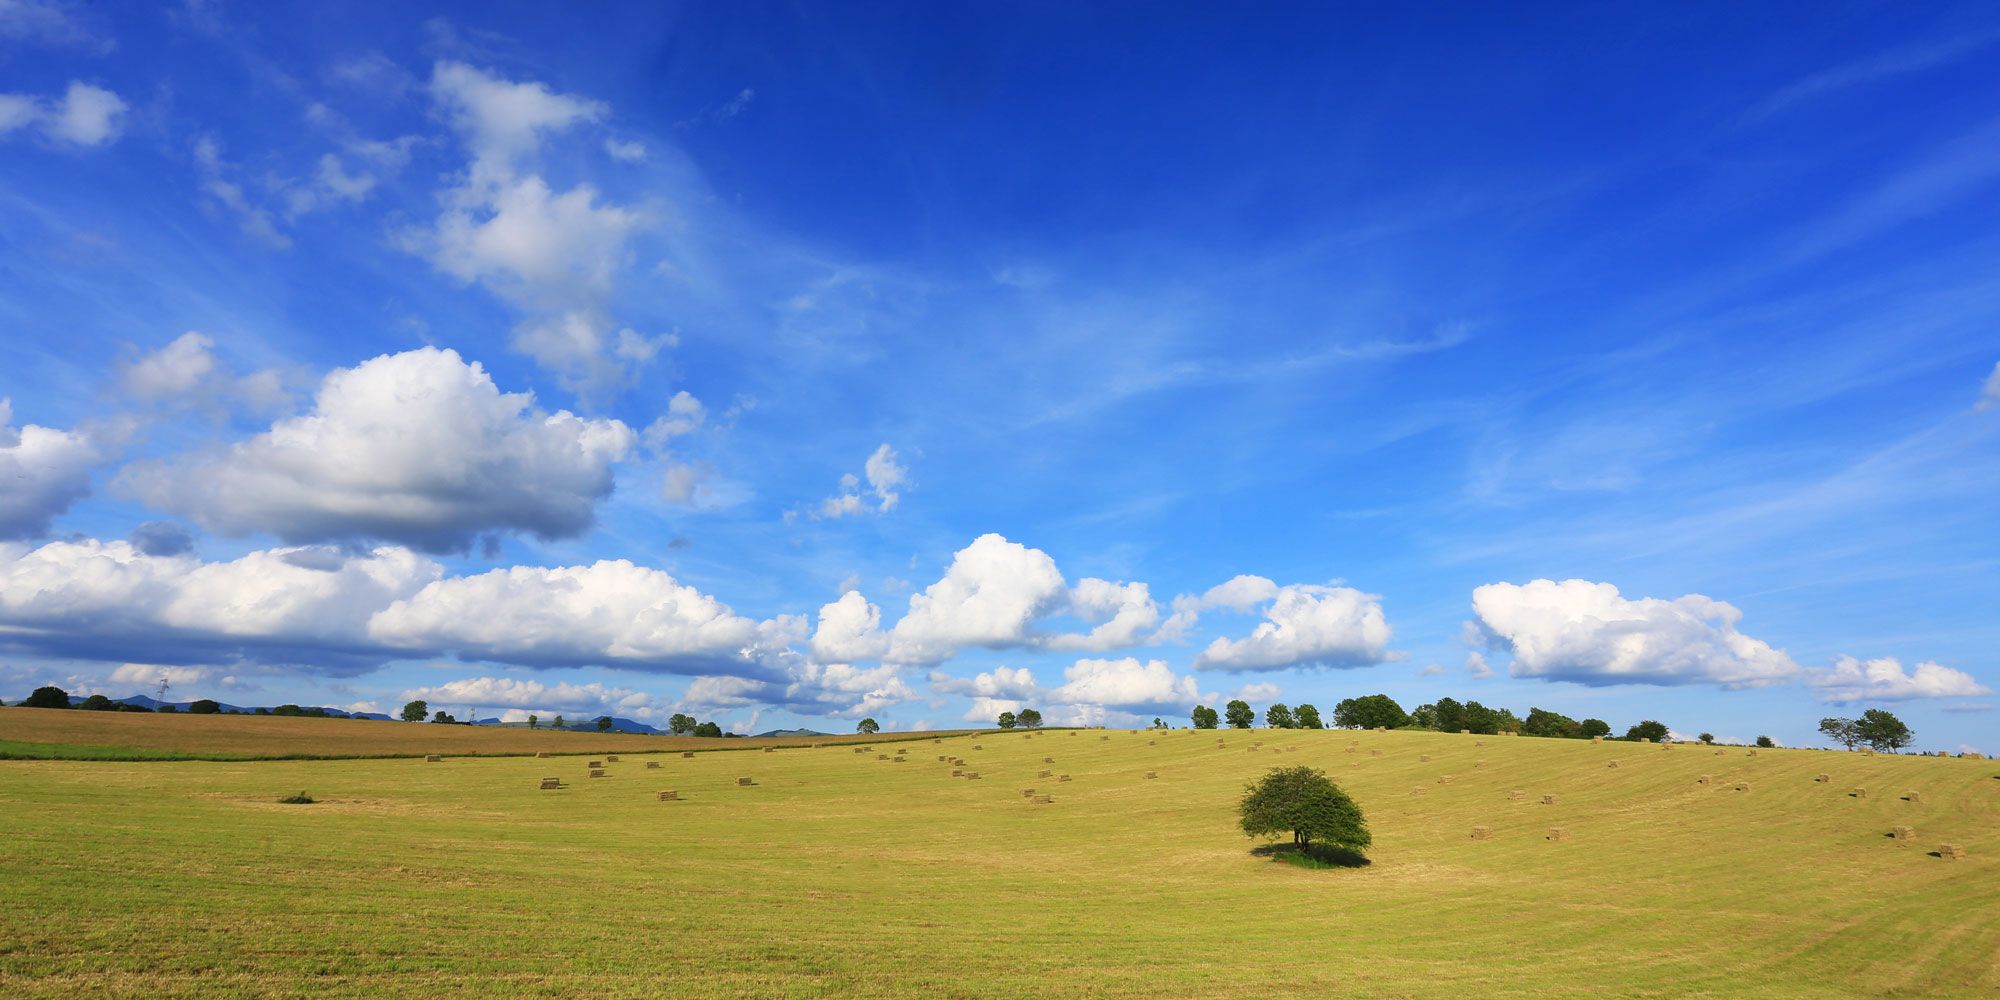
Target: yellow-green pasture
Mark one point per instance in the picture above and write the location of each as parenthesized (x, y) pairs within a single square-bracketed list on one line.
[(838, 874)]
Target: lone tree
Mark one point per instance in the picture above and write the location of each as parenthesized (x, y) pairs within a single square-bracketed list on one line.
[(1279, 716), (868, 726), (1205, 717), (1240, 714), (1306, 803), (1647, 730), (1369, 712), (1767, 743), (205, 706), (1307, 717), (604, 723), (1883, 731), (1007, 720), (681, 724), (1710, 737), (47, 697), (1028, 719), (416, 711), (559, 723), (534, 722)]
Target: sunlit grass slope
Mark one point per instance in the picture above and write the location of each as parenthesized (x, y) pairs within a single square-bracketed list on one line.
[(838, 874)]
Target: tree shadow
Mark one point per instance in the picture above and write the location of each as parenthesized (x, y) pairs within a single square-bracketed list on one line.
[(1315, 857)]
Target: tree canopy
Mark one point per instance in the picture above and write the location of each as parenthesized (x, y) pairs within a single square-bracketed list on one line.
[(1647, 730), (1028, 718), (1304, 802), (48, 696), (1205, 717), (1279, 716), (1883, 731), (868, 726), (1307, 717), (1240, 714), (1370, 711), (1008, 720), (416, 711)]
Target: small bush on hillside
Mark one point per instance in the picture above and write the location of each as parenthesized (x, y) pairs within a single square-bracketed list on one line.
[(301, 799), (1766, 742)]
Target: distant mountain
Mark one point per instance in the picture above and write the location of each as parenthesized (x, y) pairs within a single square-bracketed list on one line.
[(584, 725), (789, 732), (143, 701)]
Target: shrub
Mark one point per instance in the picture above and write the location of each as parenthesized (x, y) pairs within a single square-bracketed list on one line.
[(301, 799), (1706, 737), (1766, 742), (1304, 802), (98, 703), (205, 706)]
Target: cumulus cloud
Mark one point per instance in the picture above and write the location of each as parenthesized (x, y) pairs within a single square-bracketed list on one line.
[(608, 613), (162, 538), (419, 448), (101, 600), (1587, 633), (1241, 594), (1256, 693), (625, 151), (843, 690), (849, 629), (83, 117), (1476, 665), (1884, 679), (1012, 683), (1306, 625), (1124, 609), (552, 254), (44, 471), (185, 370), (886, 479), (1125, 683), (989, 596), (684, 416)]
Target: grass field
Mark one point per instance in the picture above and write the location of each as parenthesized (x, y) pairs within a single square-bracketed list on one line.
[(838, 874)]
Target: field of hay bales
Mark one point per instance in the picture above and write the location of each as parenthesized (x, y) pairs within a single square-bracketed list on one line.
[(837, 873), (46, 734)]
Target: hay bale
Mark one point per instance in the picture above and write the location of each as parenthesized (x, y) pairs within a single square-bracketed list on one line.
[(1611, 764), (937, 741), (1044, 799), (955, 772), (652, 765), (976, 746), (687, 754), (1516, 795), (1152, 743), (670, 796), (1048, 760), (599, 773), (1822, 778), (1950, 852), (1027, 793), (1100, 737), (1859, 793), (1374, 753), (1424, 758), (1719, 752), (1479, 743), (1753, 751), (1419, 790), (770, 749), (1912, 797), (1444, 779), (1465, 732), (745, 781), (974, 775), (1478, 763), (1703, 780), (897, 760), (1557, 833), (596, 763), (1350, 748), (1902, 832), (1482, 833), (1742, 786), (611, 758), (549, 784), (881, 756), (541, 753), (1597, 739), (1548, 800), (1044, 774), (1152, 774), (860, 749), (431, 758), (1063, 777)]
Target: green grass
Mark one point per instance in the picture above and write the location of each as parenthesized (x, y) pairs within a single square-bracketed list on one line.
[(840, 875)]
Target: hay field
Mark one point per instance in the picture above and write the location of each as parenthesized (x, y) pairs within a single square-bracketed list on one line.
[(838, 874), (42, 733)]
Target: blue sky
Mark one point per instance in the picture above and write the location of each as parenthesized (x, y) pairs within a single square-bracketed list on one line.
[(786, 365)]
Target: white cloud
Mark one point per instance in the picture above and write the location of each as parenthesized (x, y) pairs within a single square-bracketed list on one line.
[(17, 111), (1125, 683), (1585, 632), (1256, 693), (625, 151), (553, 255), (886, 478), (1884, 679), (149, 675), (172, 370), (608, 613), (1476, 665), (1305, 625), (87, 116), (107, 600), (1125, 609), (1241, 593), (990, 596), (45, 471), (721, 692), (684, 416), (419, 448), (987, 710), (1432, 670), (1989, 394), (842, 690), (1008, 683), (850, 628)]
